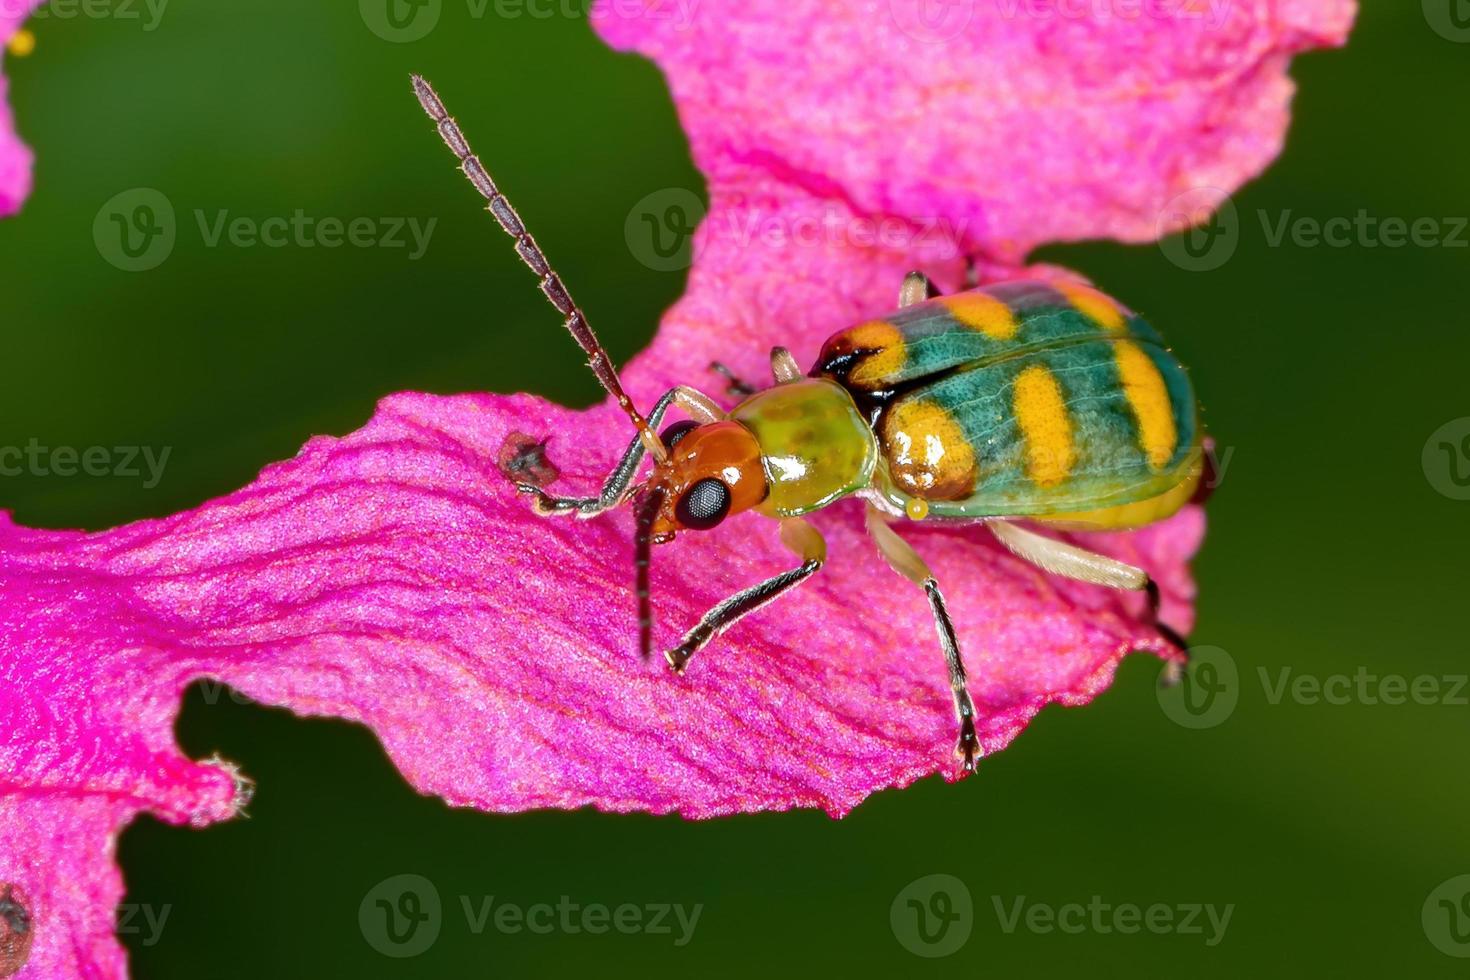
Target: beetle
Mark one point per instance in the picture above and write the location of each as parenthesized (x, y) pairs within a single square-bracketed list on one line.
[(1043, 401)]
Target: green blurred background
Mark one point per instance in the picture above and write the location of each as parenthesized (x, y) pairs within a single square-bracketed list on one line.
[(1333, 547)]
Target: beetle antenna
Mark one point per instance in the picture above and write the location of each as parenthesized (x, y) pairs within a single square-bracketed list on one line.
[(535, 259), (648, 507)]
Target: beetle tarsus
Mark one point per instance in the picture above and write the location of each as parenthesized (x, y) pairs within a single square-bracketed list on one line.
[(678, 659), (1169, 633), (967, 748), (735, 385)]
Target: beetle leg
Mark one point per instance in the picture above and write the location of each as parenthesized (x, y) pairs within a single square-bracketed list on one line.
[(916, 288), (798, 536), (699, 407), (1073, 562), (735, 385), (783, 366), (901, 556)]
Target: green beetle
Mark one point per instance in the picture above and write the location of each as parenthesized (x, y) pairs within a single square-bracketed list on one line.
[(1044, 401)]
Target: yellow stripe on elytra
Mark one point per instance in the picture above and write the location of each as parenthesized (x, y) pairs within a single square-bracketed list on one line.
[(888, 353), (1148, 396), (1102, 309), (1041, 413), (982, 312)]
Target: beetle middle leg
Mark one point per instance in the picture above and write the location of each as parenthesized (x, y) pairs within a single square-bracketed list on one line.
[(906, 562), (698, 406), (1070, 561), (799, 537), (916, 288)]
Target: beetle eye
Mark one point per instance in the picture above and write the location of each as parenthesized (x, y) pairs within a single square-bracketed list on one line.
[(677, 431), (703, 505)]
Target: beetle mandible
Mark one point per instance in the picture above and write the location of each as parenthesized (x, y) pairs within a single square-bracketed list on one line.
[(1048, 402)]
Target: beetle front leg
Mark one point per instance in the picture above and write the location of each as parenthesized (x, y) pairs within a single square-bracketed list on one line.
[(799, 537), (906, 562), (698, 406)]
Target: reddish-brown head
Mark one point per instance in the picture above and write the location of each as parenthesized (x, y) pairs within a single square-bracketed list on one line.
[(713, 470)]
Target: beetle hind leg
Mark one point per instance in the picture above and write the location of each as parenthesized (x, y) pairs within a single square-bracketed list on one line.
[(1070, 561), (901, 556)]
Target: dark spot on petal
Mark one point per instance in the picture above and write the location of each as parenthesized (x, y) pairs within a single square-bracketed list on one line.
[(16, 930), (523, 460)]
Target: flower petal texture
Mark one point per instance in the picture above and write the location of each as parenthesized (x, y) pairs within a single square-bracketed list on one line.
[(395, 577), (15, 156)]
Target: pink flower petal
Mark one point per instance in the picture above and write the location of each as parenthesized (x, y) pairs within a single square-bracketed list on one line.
[(15, 156), (1016, 122), (394, 577)]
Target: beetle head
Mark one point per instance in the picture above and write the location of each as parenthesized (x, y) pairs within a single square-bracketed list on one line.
[(711, 470)]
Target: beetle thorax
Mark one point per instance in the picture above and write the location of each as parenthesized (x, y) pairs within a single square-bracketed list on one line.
[(815, 445)]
